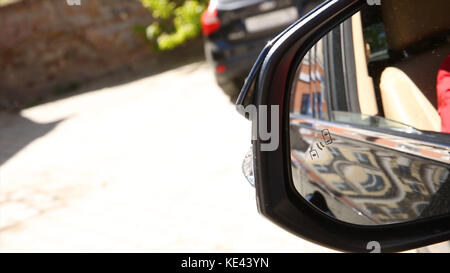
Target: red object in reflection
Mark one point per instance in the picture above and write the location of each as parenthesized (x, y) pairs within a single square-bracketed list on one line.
[(443, 94)]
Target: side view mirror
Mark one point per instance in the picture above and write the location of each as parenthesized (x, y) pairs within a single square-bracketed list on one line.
[(363, 152)]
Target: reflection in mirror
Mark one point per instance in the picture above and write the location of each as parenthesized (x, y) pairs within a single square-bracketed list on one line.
[(368, 123)]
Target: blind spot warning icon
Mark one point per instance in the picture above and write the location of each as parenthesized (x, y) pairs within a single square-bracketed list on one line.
[(327, 136), (320, 145), (314, 154)]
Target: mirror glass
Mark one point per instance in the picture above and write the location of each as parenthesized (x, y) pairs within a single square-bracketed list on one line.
[(370, 115)]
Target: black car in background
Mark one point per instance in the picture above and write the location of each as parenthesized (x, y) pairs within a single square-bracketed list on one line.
[(236, 30)]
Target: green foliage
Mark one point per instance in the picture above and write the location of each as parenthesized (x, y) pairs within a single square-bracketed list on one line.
[(177, 21)]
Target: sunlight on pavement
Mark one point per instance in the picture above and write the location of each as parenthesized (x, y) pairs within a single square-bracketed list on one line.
[(151, 165)]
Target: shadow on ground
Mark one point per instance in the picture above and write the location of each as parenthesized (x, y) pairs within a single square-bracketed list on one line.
[(16, 132)]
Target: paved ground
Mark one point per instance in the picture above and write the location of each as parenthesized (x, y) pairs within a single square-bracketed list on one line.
[(150, 165)]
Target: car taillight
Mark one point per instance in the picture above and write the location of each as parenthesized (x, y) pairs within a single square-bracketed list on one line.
[(210, 20), (221, 68)]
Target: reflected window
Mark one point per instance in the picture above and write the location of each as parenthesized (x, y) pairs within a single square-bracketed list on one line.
[(309, 96), (390, 72)]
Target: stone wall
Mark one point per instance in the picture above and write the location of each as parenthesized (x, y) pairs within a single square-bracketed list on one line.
[(48, 47)]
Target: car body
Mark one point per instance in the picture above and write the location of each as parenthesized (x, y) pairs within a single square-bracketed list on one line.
[(235, 31), (361, 157)]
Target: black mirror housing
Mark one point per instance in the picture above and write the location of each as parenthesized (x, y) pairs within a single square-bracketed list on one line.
[(277, 198)]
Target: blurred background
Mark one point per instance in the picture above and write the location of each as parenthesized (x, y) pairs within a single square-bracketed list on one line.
[(117, 127)]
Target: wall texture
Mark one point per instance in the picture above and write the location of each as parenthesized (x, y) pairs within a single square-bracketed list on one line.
[(48, 47)]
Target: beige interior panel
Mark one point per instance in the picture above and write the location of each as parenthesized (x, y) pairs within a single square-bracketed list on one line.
[(405, 103), (366, 91), (422, 68)]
